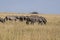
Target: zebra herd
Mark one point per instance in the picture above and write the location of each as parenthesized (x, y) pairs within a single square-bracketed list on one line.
[(28, 19)]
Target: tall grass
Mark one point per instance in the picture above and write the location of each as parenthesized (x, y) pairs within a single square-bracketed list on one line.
[(12, 30)]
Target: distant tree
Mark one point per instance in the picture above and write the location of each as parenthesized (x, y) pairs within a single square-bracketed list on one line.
[(34, 12)]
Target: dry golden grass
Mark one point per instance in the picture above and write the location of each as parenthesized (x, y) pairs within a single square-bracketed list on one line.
[(12, 30)]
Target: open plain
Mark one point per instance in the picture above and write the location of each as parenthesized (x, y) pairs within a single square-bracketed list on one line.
[(17, 30)]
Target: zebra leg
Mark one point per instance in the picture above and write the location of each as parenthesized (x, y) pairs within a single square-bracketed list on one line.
[(27, 22)]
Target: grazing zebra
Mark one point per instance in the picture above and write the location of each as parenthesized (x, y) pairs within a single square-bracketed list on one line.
[(2, 20), (32, 19), (10, 18)]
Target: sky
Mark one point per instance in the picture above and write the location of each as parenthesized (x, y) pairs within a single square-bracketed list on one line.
[(41, 6)]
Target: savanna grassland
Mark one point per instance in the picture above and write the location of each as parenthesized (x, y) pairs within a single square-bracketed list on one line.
[(17, 30)]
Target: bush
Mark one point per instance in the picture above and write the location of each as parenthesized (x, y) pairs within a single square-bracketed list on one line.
[(34, 13)]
